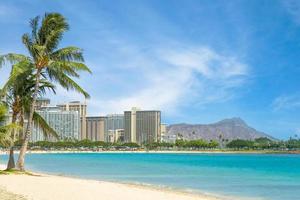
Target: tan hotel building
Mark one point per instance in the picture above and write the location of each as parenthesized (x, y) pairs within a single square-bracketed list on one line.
[(142, 126), (95, 128)]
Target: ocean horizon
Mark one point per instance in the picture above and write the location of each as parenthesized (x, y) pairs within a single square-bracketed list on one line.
[(239, 176)]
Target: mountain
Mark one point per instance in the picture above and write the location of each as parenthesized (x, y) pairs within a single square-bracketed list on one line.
[(227, 129)]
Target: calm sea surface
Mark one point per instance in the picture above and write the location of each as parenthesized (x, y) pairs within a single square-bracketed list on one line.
[(244, 176)]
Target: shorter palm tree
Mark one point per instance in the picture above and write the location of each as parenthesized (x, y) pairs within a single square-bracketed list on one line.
[(5, 128), (18, 93)]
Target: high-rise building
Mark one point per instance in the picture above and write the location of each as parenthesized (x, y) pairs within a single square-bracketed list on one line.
[(142, 126), (116, 135), (65, 123), (163, 132), (112, 123), (130, 124), (95, 128), (41, 102), (81, 108)]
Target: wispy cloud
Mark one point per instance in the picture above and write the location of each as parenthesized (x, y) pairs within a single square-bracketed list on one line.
[(286, 102), (150, 70), (174, 78), (165, 79)]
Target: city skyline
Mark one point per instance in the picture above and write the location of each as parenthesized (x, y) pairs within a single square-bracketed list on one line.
[(71, 122), (198, 62)]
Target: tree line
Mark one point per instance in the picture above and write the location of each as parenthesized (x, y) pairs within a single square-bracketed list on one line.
[(264, 143), (179, 144), (80, 144), (73, 144)]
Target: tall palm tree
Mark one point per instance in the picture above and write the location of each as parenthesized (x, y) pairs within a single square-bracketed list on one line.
[(18, 96), (56, 64)]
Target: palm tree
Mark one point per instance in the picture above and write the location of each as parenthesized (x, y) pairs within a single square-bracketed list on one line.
[(5, 129), (19, 95), (4, 136), (56, 64)]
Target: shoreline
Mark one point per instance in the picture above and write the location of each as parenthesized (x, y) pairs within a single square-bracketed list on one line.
[(39, 185), (2, 152)]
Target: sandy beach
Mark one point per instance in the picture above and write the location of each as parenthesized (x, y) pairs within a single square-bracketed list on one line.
[(48, 187)]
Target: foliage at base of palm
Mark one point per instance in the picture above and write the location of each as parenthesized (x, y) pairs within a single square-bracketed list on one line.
[(5, 129)]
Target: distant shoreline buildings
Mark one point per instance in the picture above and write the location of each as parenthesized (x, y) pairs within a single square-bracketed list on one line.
[(142, 126), (71, 122)]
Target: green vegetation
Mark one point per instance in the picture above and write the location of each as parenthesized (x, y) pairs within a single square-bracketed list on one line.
[(236, 145), (95, 145), (81, 145), (264, 144), (18, 97), (32, 75), (4, 129), (15, 171), (196, 144)]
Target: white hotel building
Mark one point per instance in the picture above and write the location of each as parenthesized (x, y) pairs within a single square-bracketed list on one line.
[(65, 123)]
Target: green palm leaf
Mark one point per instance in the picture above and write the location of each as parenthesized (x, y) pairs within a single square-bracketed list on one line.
[(47, 130)]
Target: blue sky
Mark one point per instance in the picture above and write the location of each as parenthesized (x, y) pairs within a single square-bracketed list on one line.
[(197, 61)]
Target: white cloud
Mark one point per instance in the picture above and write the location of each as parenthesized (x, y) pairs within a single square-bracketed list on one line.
[(175, 78), (207, 62), (286, 102), (163, 75)]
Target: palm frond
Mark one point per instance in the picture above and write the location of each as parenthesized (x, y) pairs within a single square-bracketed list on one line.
[(21, 68), (52, 29), (46, 85), (6, 131), (70, 53), (3, 112), (11, 58), (63, 67), (77, 66), (46, 129), (34, 23), (27, 41), (66, 82)]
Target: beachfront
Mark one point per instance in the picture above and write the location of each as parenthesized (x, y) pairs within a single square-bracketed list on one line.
[(242, 176), (47, 187)]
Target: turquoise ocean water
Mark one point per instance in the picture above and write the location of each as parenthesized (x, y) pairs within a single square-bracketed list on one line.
[(254, 176)]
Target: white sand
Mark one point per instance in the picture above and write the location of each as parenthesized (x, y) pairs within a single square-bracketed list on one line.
[(47, 187)]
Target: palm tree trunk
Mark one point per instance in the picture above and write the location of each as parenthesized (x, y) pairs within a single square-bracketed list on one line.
[(21, 159), (22, 117), (11, 160)]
